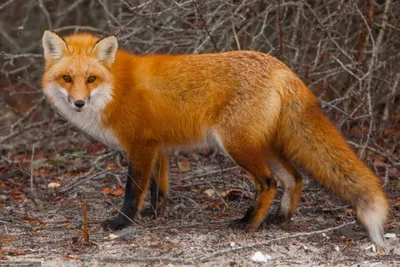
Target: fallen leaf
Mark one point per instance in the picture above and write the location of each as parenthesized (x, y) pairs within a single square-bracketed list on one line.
[(2, 257), (393, 132), (107, 190), (111, 166), (379, 163), (5, 239), (233, 194), (53, 185), (94, 148), (71, 257), (116, 192), (209, 192), (31, 219), (356, 131), (218, 204), (18, 196), (112, 236), (396, 117), (395, 202), (16, 251), (184, 164)]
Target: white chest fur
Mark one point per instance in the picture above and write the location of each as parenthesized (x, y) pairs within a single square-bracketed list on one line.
[(89, 119)]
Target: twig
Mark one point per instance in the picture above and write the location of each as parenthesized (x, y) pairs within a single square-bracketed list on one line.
[(108, 12), (80, 181), (210, 173), (205, 25), (6, 4), (69, 9), (231, 17), (296, 28), (14, 56), (28, 127), (79, 27), (119, 211), (28, 113), (46, 13), (105, 156), (7, 37), (145, 259), (224, 251), (382, 30), (219, 195), (85, 227), (32, 165), (197, 260), (279, 22), (192, 225)]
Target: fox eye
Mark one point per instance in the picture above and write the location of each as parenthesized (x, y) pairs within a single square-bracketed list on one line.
[(67, 78), (91, 79)]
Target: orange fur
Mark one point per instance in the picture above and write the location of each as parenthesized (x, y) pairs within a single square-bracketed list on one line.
[(249, 103)]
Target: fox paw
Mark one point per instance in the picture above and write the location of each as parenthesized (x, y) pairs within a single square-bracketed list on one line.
[(116, 223), (241, 224), (148, 212), (277, 219), (152, 212)]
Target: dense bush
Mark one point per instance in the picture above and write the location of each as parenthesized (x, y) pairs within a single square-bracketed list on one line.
[(347, 52)]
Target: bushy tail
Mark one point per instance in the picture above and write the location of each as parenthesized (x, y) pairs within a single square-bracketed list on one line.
[(310, 140)]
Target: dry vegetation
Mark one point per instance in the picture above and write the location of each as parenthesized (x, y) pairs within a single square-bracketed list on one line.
[(347, 52)]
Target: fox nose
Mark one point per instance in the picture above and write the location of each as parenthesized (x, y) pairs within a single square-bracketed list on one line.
[(79, 103)]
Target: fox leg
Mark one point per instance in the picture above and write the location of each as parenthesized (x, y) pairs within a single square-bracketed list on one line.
[(158, 188), (292, 183), (254, 161), (140, 166)]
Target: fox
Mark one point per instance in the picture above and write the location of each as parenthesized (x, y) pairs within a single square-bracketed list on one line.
[(247, 103)]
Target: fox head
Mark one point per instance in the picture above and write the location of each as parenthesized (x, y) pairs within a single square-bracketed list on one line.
[(77, 73)]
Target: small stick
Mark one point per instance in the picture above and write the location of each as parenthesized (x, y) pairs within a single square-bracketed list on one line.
[(266, 242), (219, 195), (85, 227), (204, 258), (80, 181), (32, 167), (145, 259)]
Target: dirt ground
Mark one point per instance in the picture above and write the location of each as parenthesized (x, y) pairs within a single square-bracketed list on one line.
[(44, 224)]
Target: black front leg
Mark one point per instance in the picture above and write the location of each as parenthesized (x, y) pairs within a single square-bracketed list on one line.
[(129, 207), (158, 188), (141, 161), (158, 201)]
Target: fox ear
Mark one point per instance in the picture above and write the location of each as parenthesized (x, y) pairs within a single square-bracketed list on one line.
[(105, 49), (54, 46)]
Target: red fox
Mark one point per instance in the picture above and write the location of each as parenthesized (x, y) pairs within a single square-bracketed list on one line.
[(248, 103)]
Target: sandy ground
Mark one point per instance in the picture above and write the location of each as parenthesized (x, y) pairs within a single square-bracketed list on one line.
[(45, 225)]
